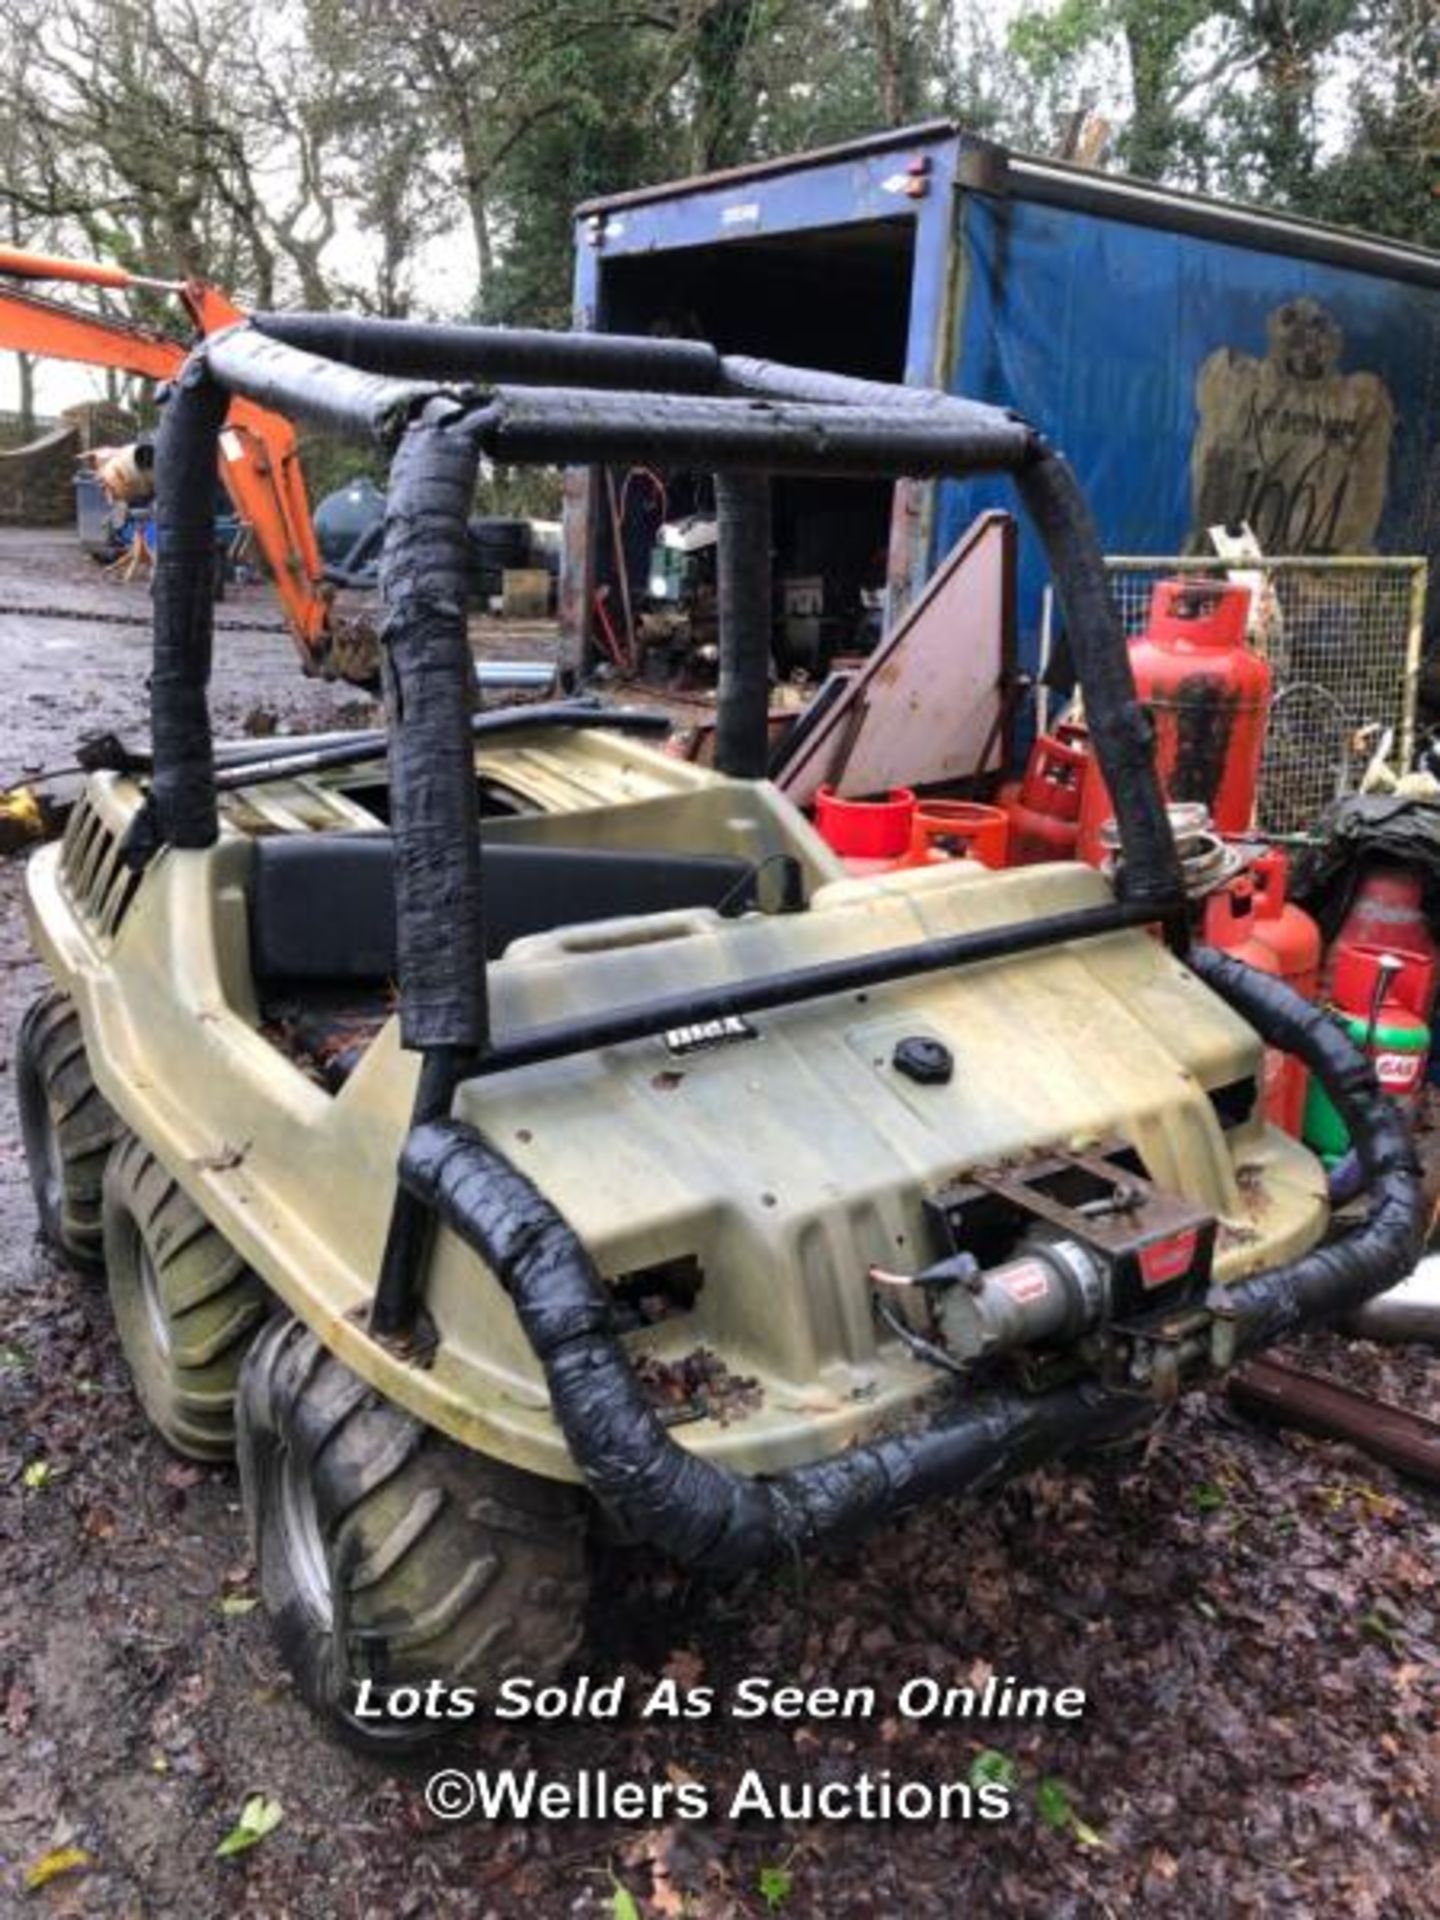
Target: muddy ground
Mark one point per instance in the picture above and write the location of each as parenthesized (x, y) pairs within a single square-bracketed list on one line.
[(1253, 1618)]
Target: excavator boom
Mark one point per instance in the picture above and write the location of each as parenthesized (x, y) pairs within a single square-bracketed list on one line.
[(260, 459)]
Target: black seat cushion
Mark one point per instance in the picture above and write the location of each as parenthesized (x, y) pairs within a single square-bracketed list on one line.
[(322, 905)]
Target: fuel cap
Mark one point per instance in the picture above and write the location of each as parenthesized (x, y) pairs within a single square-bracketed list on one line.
[(927, 1061)]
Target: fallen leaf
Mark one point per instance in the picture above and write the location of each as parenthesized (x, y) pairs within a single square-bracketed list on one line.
[(37, 1475), (259, 1815), (50, 1866)]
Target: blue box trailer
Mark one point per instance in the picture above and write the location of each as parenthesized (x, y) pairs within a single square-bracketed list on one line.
[(1198, 361)]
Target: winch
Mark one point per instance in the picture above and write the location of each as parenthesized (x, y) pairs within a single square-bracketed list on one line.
[(1059, 1255), (1052, 1291)]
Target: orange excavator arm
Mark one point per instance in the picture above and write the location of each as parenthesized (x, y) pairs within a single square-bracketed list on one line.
[(260, 460)]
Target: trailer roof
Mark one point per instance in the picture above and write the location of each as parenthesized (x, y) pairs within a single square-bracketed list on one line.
[(986, 167)]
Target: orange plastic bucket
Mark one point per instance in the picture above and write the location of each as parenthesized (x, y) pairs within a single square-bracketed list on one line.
[(881, 830)]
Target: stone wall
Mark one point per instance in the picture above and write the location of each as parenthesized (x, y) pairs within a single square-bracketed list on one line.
[(37, 482)]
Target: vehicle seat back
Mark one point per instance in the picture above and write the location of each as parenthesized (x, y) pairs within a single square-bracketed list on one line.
[(322, 905)]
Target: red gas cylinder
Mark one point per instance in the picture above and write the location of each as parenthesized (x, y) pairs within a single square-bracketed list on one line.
[(1288, 930), (1294, 940), (1387, 910), (1209, 698), (1232, 920), (1045, 814)]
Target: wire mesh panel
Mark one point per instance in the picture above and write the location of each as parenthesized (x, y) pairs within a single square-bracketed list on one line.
[(1342, 636)]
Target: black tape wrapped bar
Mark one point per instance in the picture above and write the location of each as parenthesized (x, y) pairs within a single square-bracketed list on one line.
[(429, 684), (305, 387), (1121, 734), (523, 425), (181, 810), (411, 349), (1332, 1280), (656, 1491), (742, 706), (787, 419), (738, 999), (745, 377)]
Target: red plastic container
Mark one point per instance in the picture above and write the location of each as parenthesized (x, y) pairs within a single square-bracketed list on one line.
[(1209, 698), (871, 836), (953, 828), (1045, 814), (1387, 912)]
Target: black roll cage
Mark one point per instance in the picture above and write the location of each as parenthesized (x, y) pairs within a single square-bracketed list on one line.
[(442, 396)]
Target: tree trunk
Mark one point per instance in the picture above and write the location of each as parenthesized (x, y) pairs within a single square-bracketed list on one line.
[(893, 61), (721, 39)]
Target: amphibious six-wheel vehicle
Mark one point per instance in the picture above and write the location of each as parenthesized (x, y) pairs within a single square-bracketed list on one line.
[(505, 1130)]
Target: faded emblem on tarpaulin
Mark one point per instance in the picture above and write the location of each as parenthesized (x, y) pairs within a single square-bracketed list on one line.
[(1288, 443)]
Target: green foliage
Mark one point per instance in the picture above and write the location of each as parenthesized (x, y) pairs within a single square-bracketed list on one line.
[(990, 1767), (623, 1905), (774, 1885)]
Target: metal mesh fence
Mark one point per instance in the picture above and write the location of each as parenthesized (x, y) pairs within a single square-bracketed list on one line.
[(1342, 637)]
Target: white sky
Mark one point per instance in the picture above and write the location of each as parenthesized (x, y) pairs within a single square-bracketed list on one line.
[(444, 276)]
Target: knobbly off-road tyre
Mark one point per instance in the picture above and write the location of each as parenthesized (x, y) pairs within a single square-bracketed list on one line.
[(66, 1126), (387, 1552), (186, 1305)]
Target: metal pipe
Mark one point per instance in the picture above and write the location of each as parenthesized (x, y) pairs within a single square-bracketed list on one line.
[(398, 1296), (742, 705), (1285, 1395), (241, 769), (412, 349), (731, 999)]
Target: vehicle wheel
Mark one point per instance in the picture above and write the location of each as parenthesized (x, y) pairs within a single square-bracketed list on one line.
[(186, 1305), (66, 1126), (388, 1553)]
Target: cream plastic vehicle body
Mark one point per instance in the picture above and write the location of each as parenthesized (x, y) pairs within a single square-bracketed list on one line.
[(542, 1131)]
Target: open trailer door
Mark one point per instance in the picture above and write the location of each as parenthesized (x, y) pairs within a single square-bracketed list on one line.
[(840, 259)]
